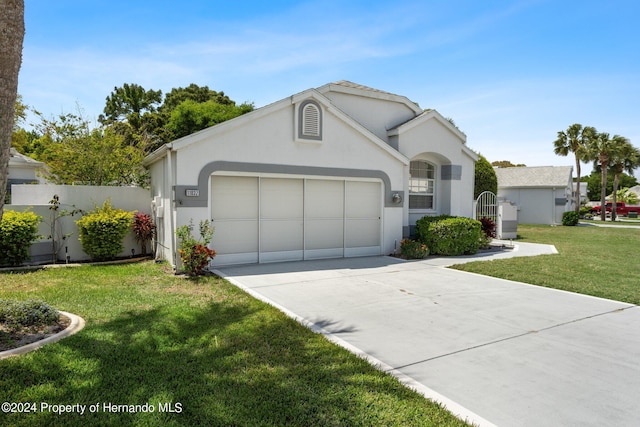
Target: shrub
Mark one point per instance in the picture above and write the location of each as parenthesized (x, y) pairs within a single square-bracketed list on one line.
[(144, 230), (102, 231), (485, 177), (488, 227), (412, 249), (194, 253), (447, 235), (24, 314), (585, 211), (570, 218), (18, 230)]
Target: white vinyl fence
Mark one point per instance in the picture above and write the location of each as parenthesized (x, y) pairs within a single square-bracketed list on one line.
[(74, 197)]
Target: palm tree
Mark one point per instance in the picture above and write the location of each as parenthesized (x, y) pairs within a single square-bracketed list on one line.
[(625, 158), (602, 149), (12, 31), (575, 140)]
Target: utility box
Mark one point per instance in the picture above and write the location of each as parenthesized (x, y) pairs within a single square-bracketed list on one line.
[(507, 221)]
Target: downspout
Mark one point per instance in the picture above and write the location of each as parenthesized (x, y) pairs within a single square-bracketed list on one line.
[(171, 206), (555, 208)]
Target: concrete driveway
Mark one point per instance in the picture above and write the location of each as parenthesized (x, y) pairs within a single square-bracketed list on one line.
[(495, 352)]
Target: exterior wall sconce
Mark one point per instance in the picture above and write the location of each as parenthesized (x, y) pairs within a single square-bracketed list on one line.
[(396, 198)]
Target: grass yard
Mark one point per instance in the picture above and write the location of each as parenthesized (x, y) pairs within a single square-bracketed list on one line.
[(201, 348), (598, 261)]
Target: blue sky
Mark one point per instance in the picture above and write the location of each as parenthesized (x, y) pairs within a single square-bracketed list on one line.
[(510, 73)]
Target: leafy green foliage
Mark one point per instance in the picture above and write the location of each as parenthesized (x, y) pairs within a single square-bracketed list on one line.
[(144, 229), (485, 178), (412, 249), (594, 181), (16, 315), (103, 230), (570, 218), (626, 196), (77, 153), (145, 121), (195, 253), (191, 116), (445, 235), (18, 230)]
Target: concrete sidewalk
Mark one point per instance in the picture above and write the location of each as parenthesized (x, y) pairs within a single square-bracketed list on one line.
[(493, 351)]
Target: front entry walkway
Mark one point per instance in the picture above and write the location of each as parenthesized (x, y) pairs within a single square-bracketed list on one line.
[(493, 351)]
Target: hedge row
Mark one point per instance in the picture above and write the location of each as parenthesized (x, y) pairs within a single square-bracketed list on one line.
[(18, 230), (448, 235)]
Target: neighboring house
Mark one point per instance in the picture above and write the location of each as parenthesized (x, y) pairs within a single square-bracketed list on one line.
[(636, 190), (337, 171), (22, 170), (583, 192), (542, 193)]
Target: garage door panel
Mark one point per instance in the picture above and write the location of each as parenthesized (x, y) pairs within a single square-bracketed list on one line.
[(234, 197), (362, 233), (324, 233), (281, 198), (363, 199), (282, 235), (232, 237), (324, 199)]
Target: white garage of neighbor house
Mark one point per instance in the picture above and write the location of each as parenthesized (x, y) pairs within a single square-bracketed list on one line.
[(338, 171), (542, 193)]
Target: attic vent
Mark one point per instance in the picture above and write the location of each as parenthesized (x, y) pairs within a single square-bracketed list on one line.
[(310, 121)]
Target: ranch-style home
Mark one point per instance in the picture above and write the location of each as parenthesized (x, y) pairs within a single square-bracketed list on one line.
[(342, 170), (542, 193)]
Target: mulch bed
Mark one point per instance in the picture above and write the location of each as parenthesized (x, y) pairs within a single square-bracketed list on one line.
[(14, 339)]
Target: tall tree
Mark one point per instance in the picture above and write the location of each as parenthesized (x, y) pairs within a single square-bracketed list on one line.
[(190, 116), (193, 92), (601, 149), (126, 108), (189, 109), (594, 182), (76, 153), (626, 157), (575, 140), (485, 177), (507, 164), (11, 39)]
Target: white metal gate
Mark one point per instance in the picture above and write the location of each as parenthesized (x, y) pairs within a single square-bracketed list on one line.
[(487, 206)]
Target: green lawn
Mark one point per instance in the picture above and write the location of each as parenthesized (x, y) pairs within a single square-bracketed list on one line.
[(599, 261), (202, 348)]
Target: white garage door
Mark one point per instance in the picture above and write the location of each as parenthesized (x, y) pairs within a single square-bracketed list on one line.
[(265, 219)]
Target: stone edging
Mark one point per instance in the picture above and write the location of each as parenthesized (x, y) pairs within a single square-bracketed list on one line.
[(77, 323)]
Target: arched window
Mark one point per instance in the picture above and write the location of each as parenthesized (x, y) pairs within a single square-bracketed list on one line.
[(310, 121), (422, 185)]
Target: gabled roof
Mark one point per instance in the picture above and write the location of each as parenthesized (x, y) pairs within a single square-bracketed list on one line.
[(536, 176), (423, 117), (348, 87), (18, 159), (260, 112)]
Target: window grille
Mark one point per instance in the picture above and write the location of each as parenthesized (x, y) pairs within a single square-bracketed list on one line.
[(422, 185)]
